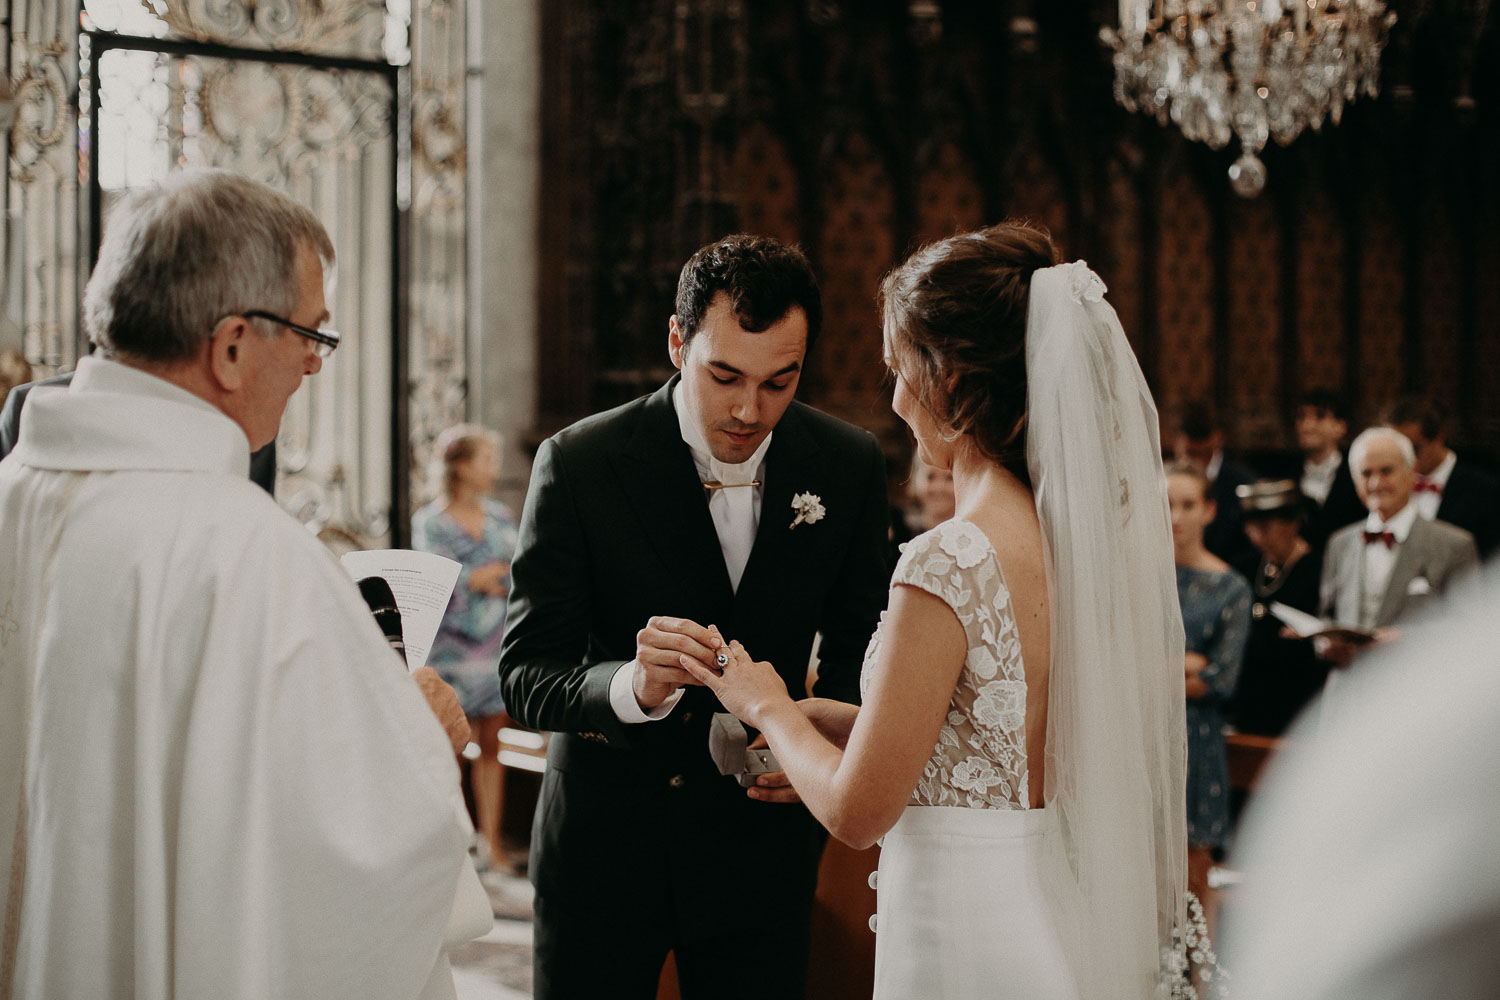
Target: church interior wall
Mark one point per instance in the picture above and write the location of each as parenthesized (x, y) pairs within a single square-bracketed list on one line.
[(863, 130)]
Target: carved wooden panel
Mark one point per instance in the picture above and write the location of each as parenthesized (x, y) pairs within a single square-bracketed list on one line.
[(1184, 275), (769, 191), (1037, 195), (1121, 262), (1321, 265), (1382, 298), (866, 129), (1439, 298), (949, 198), (1250, 412), (1486, 354), (855, 248)]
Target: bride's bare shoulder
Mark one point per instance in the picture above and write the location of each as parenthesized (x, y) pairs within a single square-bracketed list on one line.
[(1015, 533)]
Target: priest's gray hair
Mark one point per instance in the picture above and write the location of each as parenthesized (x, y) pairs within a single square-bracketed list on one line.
[(1358, 445), (180, 257)]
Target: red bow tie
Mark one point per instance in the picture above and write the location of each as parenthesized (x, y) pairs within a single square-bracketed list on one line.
[(1372, 537), (1427, 486)]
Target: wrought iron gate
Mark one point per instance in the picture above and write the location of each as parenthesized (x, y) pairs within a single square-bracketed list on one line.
[(328, 100)]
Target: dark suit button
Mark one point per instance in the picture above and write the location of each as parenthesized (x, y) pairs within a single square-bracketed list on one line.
[(687, 717), (676, 781)]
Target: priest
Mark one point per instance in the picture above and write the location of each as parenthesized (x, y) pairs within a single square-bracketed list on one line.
[(216, 778)]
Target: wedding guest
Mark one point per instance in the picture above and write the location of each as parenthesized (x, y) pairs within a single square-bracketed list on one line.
[(1280, 674), (1369, 852), (1384, 569), (716, 499), (1199, 439), (1447, 489), (469, 526), (932, 493), (1019, 745), (1321, 425), (1215, 603), (216, 778)]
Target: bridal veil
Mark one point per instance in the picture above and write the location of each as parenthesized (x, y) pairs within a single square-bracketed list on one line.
[(1116, 737)]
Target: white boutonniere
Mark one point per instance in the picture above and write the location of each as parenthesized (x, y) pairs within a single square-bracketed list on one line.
[(809, 508)]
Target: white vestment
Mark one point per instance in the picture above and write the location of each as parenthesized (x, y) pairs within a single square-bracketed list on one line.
[(216, 779)]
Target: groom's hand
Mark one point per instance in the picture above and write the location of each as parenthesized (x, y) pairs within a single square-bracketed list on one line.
[(773, 787), (656, 665)]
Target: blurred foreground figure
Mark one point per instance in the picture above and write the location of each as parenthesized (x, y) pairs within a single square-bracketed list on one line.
[(216, 778), (1369, 853)]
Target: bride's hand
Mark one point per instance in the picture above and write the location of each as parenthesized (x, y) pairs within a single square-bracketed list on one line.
[(744, 686), (833, 719)]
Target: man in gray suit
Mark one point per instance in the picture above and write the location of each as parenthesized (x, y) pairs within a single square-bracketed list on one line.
[(1385, 568)]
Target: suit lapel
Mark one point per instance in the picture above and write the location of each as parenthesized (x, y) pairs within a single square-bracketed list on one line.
[(661, 485), (791, 453), (1353, 582), (1410, 559)]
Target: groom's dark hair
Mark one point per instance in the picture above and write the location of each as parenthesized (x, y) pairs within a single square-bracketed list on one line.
[(763, 278)]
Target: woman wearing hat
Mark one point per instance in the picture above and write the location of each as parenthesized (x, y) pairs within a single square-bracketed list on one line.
[(1280, 675)]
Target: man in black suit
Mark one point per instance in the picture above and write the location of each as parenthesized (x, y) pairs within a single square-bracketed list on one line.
[(1332, 501), (643, 527), (1200, 440), (262, 462), (1447, 489)]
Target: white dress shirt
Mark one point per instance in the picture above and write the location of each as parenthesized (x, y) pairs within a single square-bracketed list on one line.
[(1317, 477), (736, 515), (1380, 560), (1428, 502)]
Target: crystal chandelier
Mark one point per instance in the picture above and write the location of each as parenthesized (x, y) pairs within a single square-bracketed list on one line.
[(1252, 69)]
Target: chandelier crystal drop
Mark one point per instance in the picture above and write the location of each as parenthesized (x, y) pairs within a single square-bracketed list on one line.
[(1247, 69)]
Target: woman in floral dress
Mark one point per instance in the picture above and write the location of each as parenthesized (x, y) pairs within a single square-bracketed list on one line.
[(467, 525), (1216, 618)]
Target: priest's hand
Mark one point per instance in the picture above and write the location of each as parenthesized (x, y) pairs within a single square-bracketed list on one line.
[(659, 648), (444, 705)]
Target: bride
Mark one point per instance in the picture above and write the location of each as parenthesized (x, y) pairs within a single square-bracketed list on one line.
[(1020, 746)]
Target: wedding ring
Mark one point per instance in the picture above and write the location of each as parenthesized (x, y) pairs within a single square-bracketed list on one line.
[(722, 657)]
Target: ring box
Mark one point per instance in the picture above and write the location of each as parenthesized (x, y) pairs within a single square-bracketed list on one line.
[(729, 745)]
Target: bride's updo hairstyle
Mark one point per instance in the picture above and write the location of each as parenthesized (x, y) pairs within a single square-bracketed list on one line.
[(955, 327)]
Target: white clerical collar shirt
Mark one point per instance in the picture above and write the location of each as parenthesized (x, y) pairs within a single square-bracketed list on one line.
[(736, 515), (1427, 501), (1317, 477), (1380, 559), (203, 437)]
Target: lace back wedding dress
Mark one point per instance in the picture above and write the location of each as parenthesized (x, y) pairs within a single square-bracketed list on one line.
[(961, 908)]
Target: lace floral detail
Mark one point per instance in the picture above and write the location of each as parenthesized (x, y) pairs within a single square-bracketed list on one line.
[(1084, 284), (980, 758)]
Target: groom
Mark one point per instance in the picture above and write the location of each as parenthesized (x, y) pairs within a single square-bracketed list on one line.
[(644, 526)]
